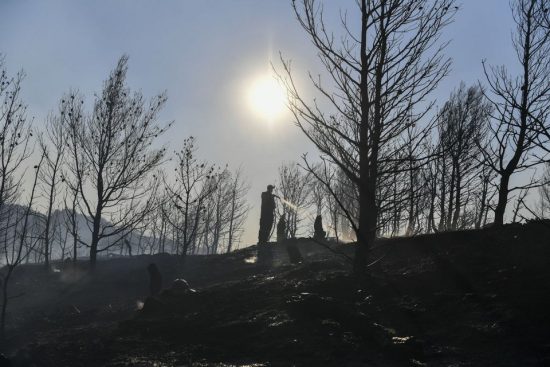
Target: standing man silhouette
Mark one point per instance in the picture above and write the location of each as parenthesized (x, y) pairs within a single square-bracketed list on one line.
[(267, 215)]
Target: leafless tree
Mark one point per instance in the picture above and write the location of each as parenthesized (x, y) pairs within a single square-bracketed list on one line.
[(543, 206), (224, 212), (341, 198), (219, 203), (521, 102), (317, 195), (464, 120), (70, 220), (194, 183), (293, 187), (380, 74), (484, 195), (112, 160), (520, 202), (412, 196), (238, 208), (53, 145), (160, 225), (15, 136), (17, 244), (331, 207), (61, 236)]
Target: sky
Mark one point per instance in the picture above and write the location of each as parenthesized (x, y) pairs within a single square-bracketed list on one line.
[(206, 54)]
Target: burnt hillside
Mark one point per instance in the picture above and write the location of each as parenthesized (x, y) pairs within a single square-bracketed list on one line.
[(471, 298)]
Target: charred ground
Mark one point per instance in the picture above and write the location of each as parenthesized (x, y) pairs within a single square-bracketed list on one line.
[(469, 298)]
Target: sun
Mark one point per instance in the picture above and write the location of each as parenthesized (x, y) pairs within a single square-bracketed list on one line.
[(267, 98)]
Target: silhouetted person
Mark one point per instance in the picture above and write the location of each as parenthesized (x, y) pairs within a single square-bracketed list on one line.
[(281, 229), (319, 233), (128, 246), (266, 215), (155, 279)]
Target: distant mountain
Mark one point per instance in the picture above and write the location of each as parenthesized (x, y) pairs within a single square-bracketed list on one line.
[(60, 232)]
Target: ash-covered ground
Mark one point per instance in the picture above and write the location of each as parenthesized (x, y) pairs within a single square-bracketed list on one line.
[(471, 298)]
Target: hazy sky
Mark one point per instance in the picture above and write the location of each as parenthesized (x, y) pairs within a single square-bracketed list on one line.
[(205, 54)]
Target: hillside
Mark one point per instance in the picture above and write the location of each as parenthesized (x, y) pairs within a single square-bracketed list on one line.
[(472, 298)]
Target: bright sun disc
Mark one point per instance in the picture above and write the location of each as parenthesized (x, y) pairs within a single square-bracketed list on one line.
[(267, 98)]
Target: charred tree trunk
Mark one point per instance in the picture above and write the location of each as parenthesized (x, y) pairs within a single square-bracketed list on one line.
[(502, 199)]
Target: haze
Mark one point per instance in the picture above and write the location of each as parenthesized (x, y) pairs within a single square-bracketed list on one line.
[(206, 54)]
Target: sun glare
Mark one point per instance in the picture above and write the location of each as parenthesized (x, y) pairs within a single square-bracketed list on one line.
[(267, 98)]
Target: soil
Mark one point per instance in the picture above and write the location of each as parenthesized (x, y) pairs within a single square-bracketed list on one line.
[(467, 298)]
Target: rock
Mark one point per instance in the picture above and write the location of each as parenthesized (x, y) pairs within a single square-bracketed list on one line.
[(181, 286)]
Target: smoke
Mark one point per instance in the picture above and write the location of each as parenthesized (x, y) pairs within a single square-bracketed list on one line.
[(72, 275), (251, 260), (289, 204), (307, 214)]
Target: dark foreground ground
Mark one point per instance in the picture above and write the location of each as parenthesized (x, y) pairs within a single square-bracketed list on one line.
[(474, 298)]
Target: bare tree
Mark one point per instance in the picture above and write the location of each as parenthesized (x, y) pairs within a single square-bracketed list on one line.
[(317, 195), (112, 160), (543, 207), (520, 202), (238, 208), (61, 235), (70, 220), (429, 179), (413, 193), (293, 186), (15, 137), (17, 244), (380, 73), (521, 103), (194, 183), (484, 195), (224, 211), (160, 226), (464, 120), (331, 207), (219, 203), (53, 146)]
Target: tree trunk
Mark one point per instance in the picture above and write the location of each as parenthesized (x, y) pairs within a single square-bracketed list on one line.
[(362, 231), (410, 224), (49, 219), (482, 205), (95, 242), (520, 147), (230, 233), (458, 200), (368, 165), (4, 302), (502, 199), (443, 190), (450, 209), (4, 308)]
